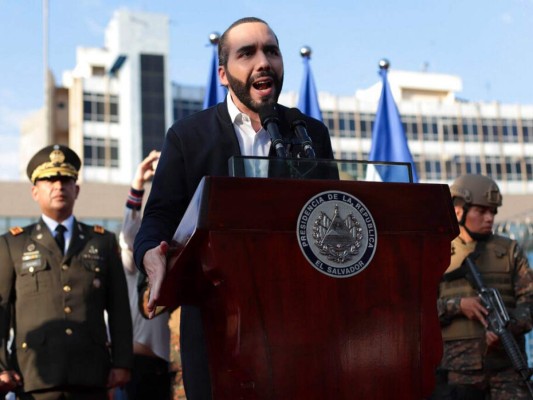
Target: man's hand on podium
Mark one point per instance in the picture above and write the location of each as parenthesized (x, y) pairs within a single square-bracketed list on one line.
[(156, 261), (155, 265)]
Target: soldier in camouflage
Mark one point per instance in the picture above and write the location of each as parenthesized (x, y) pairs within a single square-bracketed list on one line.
[(474, 363)]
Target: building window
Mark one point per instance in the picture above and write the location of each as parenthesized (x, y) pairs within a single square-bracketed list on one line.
[(430, 128), (347, 155), (346, 124), (184, 107), (94, 107), (527, 129), (529, 168), (433, 169), (7, 222), (470, 130), (494, 167), (490, 130), (100, 152), (450, 129), (366, 125), (152, 101), (473, 165), (98, 70), (410, 127), (510, 131), (512, 169)]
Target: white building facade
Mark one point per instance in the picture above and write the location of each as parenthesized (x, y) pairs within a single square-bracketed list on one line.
[(447, 136), (120, 99)]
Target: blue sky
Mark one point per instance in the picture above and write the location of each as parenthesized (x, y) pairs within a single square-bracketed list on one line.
[(489, 44)]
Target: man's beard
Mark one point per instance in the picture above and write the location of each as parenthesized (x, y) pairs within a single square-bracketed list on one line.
[(242, 90)]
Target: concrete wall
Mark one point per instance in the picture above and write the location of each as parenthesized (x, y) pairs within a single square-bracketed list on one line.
[(99, 200), (95, 200)]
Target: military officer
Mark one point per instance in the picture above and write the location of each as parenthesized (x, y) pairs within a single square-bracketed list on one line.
[(57, 277), (474, 361)]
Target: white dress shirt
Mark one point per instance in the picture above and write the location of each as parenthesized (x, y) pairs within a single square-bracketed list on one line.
[(251, 143), (68, 223)]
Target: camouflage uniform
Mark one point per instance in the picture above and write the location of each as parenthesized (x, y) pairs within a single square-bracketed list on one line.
[(468, 360)]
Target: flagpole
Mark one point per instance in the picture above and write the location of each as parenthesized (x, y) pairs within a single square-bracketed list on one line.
[(215, 92), (46, 77), (389, 142), (308, 99)]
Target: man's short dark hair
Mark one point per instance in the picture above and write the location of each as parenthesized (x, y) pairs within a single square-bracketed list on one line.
[(222, 48)]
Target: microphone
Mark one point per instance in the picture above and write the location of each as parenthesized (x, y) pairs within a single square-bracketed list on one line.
[(270, 121), (298, 125)]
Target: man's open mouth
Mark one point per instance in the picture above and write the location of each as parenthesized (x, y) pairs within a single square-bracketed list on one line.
[(262, 84)]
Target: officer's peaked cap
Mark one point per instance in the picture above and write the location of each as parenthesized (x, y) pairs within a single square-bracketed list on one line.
[(52, 161)]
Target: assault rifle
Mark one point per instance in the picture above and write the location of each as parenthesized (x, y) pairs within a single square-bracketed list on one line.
[(498, 320)]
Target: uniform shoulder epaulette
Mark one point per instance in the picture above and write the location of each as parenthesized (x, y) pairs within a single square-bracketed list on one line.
[(99, 229), (16, 230)]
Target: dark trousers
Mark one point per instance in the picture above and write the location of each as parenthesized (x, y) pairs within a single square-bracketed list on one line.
[(77, 393), (196, 378), (150, 379)]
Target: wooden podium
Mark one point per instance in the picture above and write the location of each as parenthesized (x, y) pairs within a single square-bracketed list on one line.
[(277, 328)]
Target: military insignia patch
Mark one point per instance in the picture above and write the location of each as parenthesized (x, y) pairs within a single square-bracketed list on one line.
[(32, 261), (16, 230), (337, 234)]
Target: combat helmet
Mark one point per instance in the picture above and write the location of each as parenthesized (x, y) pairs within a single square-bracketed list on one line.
[(477, 190)]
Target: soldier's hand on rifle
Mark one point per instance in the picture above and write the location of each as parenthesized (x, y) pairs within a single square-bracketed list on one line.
[(472, 308), (9, 380), (491, 338)]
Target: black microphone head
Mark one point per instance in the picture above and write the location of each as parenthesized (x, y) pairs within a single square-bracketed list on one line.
[(295, 117), (268, 113)]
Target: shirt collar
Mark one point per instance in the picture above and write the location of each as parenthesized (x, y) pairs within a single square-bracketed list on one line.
[(234, 113), (52, 224), (237, 117)]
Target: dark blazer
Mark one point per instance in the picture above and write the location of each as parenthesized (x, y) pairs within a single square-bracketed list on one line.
[(56, 305), (197, 146)]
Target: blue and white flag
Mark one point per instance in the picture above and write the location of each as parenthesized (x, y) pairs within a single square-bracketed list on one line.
[(389, 142), (308, 99), (214, 93)]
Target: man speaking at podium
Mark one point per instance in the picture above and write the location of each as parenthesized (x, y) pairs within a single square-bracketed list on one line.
[(251, 67)]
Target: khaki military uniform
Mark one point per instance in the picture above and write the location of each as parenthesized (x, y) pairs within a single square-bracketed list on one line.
[(56, 306), (466, 356)]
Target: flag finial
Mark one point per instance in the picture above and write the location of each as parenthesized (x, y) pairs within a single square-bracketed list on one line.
[(214, 37), (384, 64), (305, 52)]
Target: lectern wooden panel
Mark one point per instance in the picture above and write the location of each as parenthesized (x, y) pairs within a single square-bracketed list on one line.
[(277, 328)]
